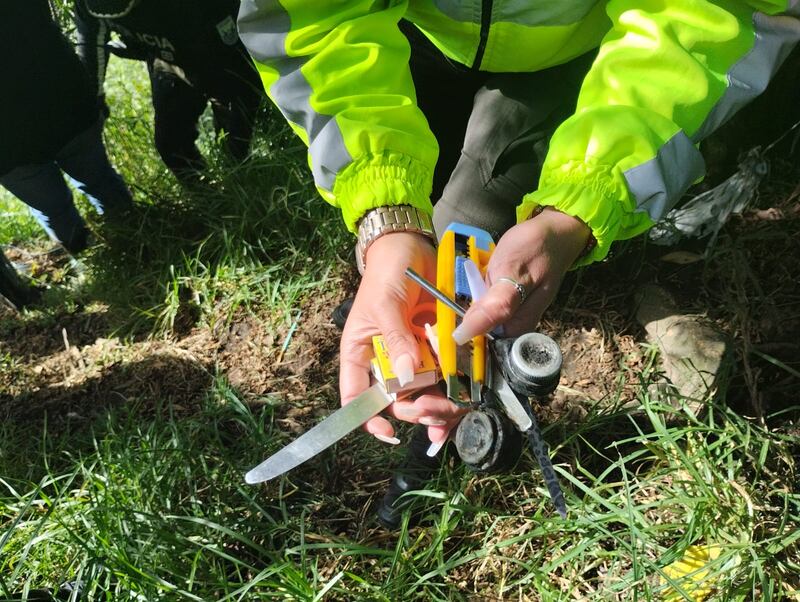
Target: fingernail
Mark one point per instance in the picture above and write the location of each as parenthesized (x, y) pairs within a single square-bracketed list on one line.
[(435, 448), (404, 369), (389, 440), (461, 335), (405, 409), (431, 421)]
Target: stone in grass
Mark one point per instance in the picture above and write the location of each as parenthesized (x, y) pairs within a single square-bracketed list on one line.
[(694, 356)]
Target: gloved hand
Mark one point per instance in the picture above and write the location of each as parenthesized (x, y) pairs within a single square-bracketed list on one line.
[(536, 254), (385, 300)]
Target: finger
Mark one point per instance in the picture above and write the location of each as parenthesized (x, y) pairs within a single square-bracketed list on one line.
[(442, 414), (439, 407), (381, 429), (437, 434), (496, 308), (400, 341), (439, 414), (528, 315), (354, 380), (355, 352), (436, 412)]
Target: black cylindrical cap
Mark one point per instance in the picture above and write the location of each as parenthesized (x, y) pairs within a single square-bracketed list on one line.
[(532, 364)]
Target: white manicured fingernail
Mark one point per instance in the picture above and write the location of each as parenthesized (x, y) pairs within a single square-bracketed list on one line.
[(431, 421), (477, 286), (435, 448), (405, 410), (432, 338), (404, 369), (389, 440), (461, 335)]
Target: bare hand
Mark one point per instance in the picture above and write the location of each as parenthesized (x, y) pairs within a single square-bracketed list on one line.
[(385, 300), (536, 254)]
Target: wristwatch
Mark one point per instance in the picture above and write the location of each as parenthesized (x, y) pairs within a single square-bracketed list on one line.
[(383, 220)]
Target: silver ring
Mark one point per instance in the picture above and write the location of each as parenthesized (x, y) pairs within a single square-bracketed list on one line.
[(523, 294)]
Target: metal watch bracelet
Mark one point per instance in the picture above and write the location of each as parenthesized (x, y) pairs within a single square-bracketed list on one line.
[(383, 220)]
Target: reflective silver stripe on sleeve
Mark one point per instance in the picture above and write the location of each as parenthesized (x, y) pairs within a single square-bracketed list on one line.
[(659, 183), (263, 27), (522, 12), (775, 36)]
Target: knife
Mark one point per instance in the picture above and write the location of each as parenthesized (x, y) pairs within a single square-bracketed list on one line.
[(343, 421)]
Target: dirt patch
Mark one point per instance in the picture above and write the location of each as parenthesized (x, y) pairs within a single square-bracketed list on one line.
[(748, 286), (297, 360), (80, 382), (28, 340)]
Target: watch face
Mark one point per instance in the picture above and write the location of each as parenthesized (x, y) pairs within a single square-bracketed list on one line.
[(110, 9)]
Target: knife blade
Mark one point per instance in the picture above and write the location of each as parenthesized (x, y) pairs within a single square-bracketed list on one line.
[(511, 404), (343, 421)]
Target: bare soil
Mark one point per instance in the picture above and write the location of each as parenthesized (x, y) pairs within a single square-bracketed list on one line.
[(70, 362)]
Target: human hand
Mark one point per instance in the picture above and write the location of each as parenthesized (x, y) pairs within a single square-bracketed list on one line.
[(385, 300), (536, 254)]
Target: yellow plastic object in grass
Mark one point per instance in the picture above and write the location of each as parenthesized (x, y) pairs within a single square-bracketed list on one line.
[(691, 574)]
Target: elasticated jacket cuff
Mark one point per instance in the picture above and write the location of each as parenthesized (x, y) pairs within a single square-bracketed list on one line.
[(382, 181), (592, 195)]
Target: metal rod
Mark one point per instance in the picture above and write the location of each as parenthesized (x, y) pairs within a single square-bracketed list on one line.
[(439, 295)]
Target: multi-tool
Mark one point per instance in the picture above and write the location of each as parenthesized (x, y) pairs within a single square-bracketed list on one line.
[(492, 377)]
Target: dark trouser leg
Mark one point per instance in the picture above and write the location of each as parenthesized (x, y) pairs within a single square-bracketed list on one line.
[(12, 287), (236, 114), (416, 470), (85, 161), (444, 94), (177, 106), (43, 189), (505, 144)]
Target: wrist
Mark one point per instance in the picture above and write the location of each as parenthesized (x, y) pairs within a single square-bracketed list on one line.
[(387, 245), (395, 219), (572, 230)]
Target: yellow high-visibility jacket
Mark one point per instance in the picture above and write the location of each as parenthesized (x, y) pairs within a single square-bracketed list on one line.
[(668, 73)]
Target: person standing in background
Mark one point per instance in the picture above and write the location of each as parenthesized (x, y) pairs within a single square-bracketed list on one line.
[(49, 123), (194, 57)]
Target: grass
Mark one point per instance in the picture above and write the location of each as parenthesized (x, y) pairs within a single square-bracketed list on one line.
[(131, 480), (155, 508)]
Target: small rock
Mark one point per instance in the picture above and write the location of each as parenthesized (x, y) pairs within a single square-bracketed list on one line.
[(694, 355)]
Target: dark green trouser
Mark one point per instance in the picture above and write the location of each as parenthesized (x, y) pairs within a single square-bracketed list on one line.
[(493, 132)]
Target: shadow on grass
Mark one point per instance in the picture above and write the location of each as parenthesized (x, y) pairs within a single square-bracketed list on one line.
[(66, 416), (133, 481), (262, 213)]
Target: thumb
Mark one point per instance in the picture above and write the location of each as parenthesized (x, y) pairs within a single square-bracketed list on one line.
[(400, 342), (494, 309)]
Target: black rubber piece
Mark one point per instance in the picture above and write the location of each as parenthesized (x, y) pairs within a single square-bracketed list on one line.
[(340, 313), (412, 475), (12, 286), (488, 442), (531, 363)]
